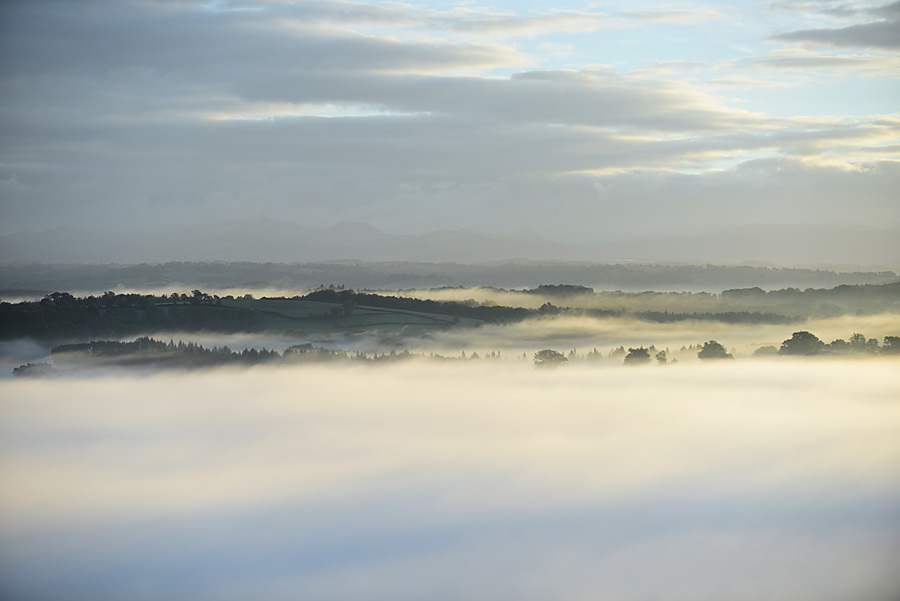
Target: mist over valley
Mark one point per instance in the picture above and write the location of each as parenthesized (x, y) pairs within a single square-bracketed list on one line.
[(738, 479), (350, 300)]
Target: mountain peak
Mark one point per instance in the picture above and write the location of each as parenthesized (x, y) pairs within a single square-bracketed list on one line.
[(355, 226)]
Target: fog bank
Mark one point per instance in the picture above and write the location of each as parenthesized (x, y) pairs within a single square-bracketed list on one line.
[(750, 480), (584, 333)]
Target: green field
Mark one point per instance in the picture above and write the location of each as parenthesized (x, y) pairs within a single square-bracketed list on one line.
[(321, 318)]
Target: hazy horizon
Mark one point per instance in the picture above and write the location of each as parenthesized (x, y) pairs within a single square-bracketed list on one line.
[(830, 246)]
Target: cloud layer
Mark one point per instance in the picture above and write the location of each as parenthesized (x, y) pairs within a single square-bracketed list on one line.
[(729, 482), (416, 119)]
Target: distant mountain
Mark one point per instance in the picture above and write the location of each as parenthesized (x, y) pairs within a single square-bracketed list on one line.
[(262, 237), (269, 240), (67, 244), (467, 246), (807, 245), (348, 240)]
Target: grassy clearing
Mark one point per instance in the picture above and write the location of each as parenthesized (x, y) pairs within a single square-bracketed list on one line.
[(316, 317)]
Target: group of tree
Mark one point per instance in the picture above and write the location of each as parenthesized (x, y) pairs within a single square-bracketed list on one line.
[(799, 344), (61, 316), (739, 305), (485, 313), (36, 370), (713, 350), (806, 343), (149, 352), (548, 358), (303, 276), (637, 356), (146, 351), (492, 313)]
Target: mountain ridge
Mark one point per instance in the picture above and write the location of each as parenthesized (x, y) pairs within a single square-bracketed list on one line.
[(264, 239)]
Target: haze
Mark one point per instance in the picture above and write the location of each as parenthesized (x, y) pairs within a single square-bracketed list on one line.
[(323, 178), (733, 481)]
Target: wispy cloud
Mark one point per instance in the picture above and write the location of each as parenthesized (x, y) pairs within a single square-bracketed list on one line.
[(804, 60), (882, 34), (693, 15), (513, 25)]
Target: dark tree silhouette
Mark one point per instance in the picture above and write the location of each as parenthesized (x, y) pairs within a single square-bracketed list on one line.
[(860, 344), (713, 350), (637, 356), (549, 358), (36, 370), (801, 343), (839, 345)]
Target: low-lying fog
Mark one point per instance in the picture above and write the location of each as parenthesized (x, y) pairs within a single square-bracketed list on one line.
[(562, 333), (584, 333), (747, 480)]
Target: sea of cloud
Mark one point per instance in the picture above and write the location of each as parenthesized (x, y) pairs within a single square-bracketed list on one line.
[(484, 480)]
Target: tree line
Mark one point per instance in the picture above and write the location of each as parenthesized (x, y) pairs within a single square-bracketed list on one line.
[(800, 343), (150, 352), (61, 315)]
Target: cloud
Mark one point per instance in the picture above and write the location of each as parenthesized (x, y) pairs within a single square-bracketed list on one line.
[(606, 334), (412, 20), (550, 22), (888, 11), (694, 15), (213, 64), (484, 166), (400, 114), (556, 49), (195, 45), (828, 7), (802, 60), (883, 34), (840, 8), (486, 479)]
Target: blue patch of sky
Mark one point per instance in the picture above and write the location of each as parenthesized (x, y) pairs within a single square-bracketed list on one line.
[(627, 43), (644, 46), (852, 95)]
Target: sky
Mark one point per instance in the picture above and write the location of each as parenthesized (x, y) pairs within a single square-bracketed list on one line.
[(572, 120)]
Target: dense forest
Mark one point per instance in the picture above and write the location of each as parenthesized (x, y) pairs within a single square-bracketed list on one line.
[(60, 316)]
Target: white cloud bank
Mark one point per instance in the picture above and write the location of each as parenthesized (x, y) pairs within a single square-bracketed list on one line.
[(731, 482)]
